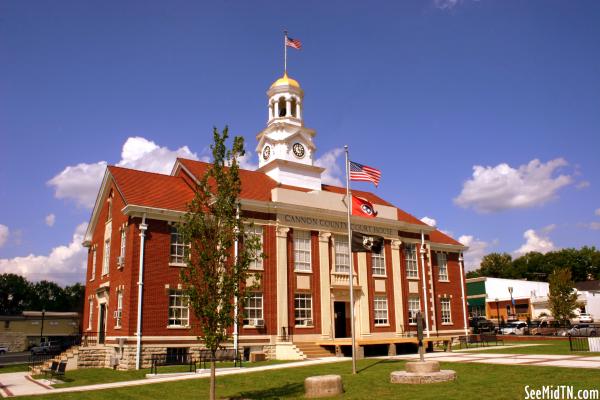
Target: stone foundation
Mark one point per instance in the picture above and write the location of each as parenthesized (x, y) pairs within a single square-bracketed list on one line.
[(421, 372), (15, 341)]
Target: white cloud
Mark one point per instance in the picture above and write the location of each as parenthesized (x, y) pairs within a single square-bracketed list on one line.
[(246, 162), (4, 232), (446, 4), (477, 249), (65, 264), (597, 212), (50, 219), (429, 221), (81, 182), (594, 225), (537, 241), (582, 185), (333, 173), (503, 187)]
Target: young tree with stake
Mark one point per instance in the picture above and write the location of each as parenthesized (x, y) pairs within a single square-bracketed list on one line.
[(214, 277)]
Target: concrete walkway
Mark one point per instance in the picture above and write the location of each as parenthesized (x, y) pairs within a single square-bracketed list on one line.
[(543, 360), (20, 384)]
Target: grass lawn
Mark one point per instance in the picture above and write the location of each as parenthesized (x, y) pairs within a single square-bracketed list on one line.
[(372, 382), (91, 376), (5, 369), (544, 347)]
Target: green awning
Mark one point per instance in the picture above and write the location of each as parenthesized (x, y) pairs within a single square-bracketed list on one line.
[(478, 301)]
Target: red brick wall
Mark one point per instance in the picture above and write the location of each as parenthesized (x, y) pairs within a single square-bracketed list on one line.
[(389, 291), (446, 289)]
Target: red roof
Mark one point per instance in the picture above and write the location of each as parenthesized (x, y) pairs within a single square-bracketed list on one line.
[(152, 190), (439, 237), (172, 192)]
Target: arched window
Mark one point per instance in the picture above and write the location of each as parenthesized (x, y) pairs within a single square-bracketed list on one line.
[(293, 107), (282, 109)]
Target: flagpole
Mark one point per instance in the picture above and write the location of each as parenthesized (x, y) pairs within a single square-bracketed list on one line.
[(284, 52), (351, 273)]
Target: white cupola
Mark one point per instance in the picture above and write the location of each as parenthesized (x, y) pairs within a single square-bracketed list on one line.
[(285, 147)]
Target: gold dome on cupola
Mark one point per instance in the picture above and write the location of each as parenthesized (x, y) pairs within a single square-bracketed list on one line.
[(285, 80)]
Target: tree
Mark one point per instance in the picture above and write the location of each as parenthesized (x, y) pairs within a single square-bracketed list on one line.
[(47, 296), (562, 296), (495, 265), (74, 296), (14, 294), (213, 277)]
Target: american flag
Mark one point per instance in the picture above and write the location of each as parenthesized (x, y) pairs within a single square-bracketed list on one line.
[(359, 172), (294, 43)]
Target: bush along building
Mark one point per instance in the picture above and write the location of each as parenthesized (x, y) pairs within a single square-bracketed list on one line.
[(135, 305)]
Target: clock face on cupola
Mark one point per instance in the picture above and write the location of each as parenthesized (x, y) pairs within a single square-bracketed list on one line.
[(298, 150)]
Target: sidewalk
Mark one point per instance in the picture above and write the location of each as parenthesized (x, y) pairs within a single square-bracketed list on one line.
[(20, 384)]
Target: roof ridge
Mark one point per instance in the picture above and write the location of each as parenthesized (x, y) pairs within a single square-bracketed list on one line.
[(140, 171)]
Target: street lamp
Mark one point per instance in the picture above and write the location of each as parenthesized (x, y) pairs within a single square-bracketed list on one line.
[(498, 312), (510, 290), (42, 327)]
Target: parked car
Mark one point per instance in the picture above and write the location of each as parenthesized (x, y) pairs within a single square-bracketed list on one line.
[(46, 348), (549, 328), (515, 328), (583, 330), (481, 324), (585, 317), (3, 349)]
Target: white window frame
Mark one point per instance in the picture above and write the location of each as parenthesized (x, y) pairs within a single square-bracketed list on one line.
[(119, 318), (378, 263), (123, 244), (446, 311), (341, 250), (178, 251), (94, 263), (253, 309), (179, 309), (412, 310), (442, 260), (106, 257), (91, 314), (380, 311), (302, 308), (256, 230), (411, 261), (302, 251)]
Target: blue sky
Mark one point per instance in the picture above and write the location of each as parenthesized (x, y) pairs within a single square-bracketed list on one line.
[(483, 115)]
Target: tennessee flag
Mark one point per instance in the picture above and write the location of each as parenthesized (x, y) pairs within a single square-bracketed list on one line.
[(362, 208)]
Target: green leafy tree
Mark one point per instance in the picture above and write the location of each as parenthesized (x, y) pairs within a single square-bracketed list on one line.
[(562, 296), (495, 265), (47, 296), (14, 294), (213, 277), (74, 297)]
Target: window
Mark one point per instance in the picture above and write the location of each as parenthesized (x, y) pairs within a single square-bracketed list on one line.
[(302, 251), (179, 313), (381, 310), (256, 230), (106, 257), (443, 266), (119, 314), (91, 314), (378, 260), (253, 309), (410, 254), (446, 314), (303, 309), (342, 254), (123, 244), (414, 306), (177, 355), (94, 260), (179, 250), (109, 212)]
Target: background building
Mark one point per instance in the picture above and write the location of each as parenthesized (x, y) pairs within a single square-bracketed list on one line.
[(20, 332)]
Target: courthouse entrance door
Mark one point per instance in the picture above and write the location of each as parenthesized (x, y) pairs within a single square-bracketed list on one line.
[(342, 319), (102, 328)]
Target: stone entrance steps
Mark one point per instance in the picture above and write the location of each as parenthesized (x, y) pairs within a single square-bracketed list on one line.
[(311, 350), (69, 355)]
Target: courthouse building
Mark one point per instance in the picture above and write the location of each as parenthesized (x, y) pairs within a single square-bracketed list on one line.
[(303, 298)]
